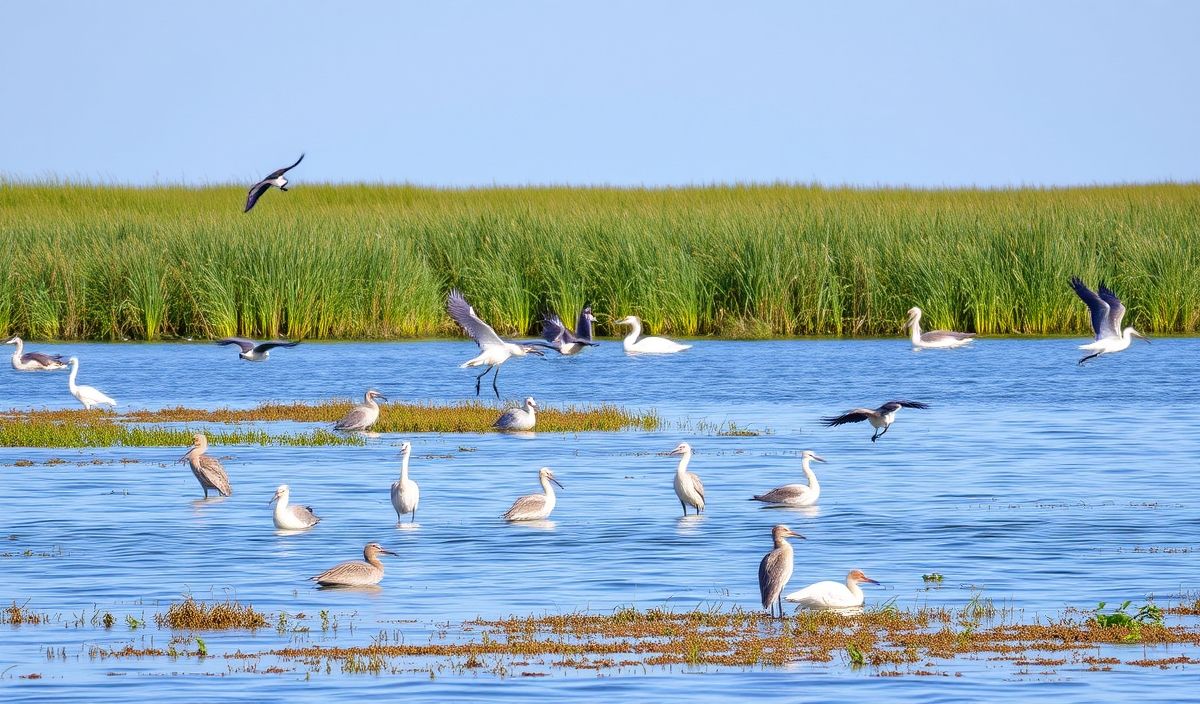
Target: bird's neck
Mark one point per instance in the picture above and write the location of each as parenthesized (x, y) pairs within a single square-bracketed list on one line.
[(20, 348), (635, 329), (852, 585), (530, 409), (74, 372), (370, 402), (281, 505), (373, 560), (812, 477), (548, 487), (404, 468), (781, 543), (915, 329), (683, 463)]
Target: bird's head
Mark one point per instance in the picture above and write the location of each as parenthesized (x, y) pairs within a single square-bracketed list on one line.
[(12, 340), (374, 394), (280, 493), (627, 320), (1138, 335), (533, 349), (781, 531), (546, 474), (373, 549), (810, 455), (857, 576), (681, 449), (406, 448), (530, 403)]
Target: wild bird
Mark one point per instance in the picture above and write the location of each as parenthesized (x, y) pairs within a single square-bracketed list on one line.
[(255, 351), (87, 395), (493, 351), (24, 361), (934, 339), (565, 341), (289, 517), (364, 416), (1107, 312), (405, 492), (535, 507), (776, 568), (207, 470), (518, 418), (881, 417), (796, 494), (646, 345), (274, 179), (356, 573), (832, 595), (688, 486)]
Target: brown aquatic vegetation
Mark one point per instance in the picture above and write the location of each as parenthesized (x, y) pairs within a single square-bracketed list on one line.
[(17, 615), (201, 616)]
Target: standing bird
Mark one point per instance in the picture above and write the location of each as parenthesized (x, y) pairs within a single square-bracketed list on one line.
[(562, 339), (934, 339), (364, 416), (518, 418), (688, 486), (796, 494), (87, 395), (24, 361), (405, 492), (493, 351), (356, 573), (291, 517), (535, 507), (1107, 312), (255, 351), (776, 569), (881, 417), (647, 345), (208, 470), (274, 179), (832, 595)]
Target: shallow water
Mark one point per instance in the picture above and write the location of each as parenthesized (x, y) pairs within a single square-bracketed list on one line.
[(1039, 483)]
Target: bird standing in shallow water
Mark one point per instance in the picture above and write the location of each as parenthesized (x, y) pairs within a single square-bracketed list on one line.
[(776, 568), (688, 486), (356, 573), (1107, 311), (275, 178), (832, 595), (796, 494), (208, 470), (881, 417), (87, 395), (405, 492)]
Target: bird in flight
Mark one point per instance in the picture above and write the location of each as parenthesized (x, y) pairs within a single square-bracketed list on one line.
[(274, 179)]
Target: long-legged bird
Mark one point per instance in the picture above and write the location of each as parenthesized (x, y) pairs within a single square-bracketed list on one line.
[(776, 569), (493, 351)]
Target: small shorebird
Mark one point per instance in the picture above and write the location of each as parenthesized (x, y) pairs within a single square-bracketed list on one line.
[(1107, 313), (647, 345), (364, 416), (776, 569), (356, 573), (881, 417), (832, 595), (255, 351), (24, 361), (535, 507), (405, 492), (934, 339), (493, 351), (688, 486), (288, 517), (796, 494), (208, 470), (518, 418), (87, 395), (565, 341), (274, 179)]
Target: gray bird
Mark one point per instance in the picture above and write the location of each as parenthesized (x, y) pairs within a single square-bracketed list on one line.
[(881, 417), (208, 470), (776, 569), (364, 416), (255, 351), (274, 179), (565, 341), (518, 418), (356, 573)]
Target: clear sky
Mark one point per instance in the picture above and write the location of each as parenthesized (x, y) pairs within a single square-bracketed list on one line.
[(454, 93)]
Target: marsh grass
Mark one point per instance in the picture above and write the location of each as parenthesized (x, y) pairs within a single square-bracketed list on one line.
[(193, 615)]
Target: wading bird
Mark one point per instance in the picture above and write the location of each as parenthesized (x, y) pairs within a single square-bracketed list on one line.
[(562, 339), (492, 350), (647, 345), (796, 494), (881, 417), (1107, 312), (255, 351), (832, 595), (518, 418), (356, 573), (688, 486), (405, 492), (291, 517), (274, 179), (535, 507), (24, 361), (776, 569), (208, 470), (364, 416), (87, 395), (934, 339)]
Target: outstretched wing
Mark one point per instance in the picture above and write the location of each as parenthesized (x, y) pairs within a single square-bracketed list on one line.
[(242, 342), (267, 346), (583, 326), (553, 329), (255, 193), (464, 315), (1116, 310), (1098, 308), (279, 172), (854, 416), (908, 404)]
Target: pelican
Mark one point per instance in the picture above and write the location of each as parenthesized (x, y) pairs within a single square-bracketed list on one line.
[(518, 418), (87, 395), (881, 417), (274, 179), (208, 470), (1107, 312), (255, 351), (492, 350), (562, 339), (776, 568), (24, 361), (796, 494), (364, 416), (832, 595), (688, 486), (535, 507), (934, 339), (405, 492), (291, 517), (647, 345), (356, 573)]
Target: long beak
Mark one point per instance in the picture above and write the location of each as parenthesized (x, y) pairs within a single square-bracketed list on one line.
[(819, 458), (1142, 337), (868, 579), (185, 455), (556, 482), (794, 534), (385, 551), (273, 499), (381, 396)]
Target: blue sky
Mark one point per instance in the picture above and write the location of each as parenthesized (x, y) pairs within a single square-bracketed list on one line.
[(627, 93)]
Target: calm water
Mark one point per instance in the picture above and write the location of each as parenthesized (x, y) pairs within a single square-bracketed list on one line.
[(1040, 483)]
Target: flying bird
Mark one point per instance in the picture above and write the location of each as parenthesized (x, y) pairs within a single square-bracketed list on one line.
[(565, 341), (255, 351), (881, 417), (934, 339), (274, 179), (1107, 312), (493, 351)]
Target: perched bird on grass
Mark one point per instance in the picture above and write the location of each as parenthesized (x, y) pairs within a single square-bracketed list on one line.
[(518, 418), (364, 416)]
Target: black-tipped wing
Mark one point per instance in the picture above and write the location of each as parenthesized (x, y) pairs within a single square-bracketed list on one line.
[(855, 416), (267, 346), (893, 406), (279, 172), (1096, 305), (242, 342), (43, 359), (255, 193), (583, 326), (553, 329), (1116, 311), (464, 315)]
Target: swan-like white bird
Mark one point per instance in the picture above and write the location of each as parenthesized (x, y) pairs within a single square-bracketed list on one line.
[(364, 416), (255, 351), (535, 507), (776, 569), (796, 494), (87, 395), (565, 341), (356, 573), (647, 345), (881, 417), (289, 517), (688, 486), (275, 178), (1107, 312), (207, 470), (934, 339), (832, 595), (518, 418), (493, 351), (405, 492), (24, 361)]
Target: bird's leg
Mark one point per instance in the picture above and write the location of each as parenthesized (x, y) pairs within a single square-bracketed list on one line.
[(684, 506), (875, 436), (414, 518), (478, 378), (283, 188), (781, 604), (494, 378), (1090, 356), (885, 429)]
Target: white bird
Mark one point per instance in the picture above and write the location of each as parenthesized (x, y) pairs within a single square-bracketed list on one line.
[(493, 351), (832, 595), (565, 341), (275, 178), (87, 395), (881, 417), (255, 351), (535, 507), (356, 573), (688, 486), (291, 517), (647, 345), (776, 569), (518, 418), (207, 470), (364, 416), (405, 492), (24, 361), (796, 494), (1107, 312), (934, 339)]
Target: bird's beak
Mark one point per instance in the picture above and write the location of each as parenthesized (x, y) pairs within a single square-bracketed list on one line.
[(818, 458), (381, 396), (273, 498), (556, 482), (1141, 337), (385, 551), (794, 534), (868, 579)]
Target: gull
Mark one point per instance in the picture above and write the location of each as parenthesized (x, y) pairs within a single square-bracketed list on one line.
[(881, 417), (291, 517), (518, 418), (647, 345), (934, 338), (255, 351), (356, 573), (832, 595), (405, 492), (562, 339), (688, 486), (776, 569), (796, 494), (1107, 312), (24, 361), (87, 395), (208, 470), (274, 179), (493, 351), (364, 416), (535, 507)]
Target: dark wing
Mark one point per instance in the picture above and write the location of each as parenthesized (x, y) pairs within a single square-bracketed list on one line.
[(854, 416), (1116, 310), (770, 572), (279, 172), (1098, 307), (583, 326), (43, 359), (907, 404), (464, 315), (255, 193), (242, 342), (553, 329), (267, 346)]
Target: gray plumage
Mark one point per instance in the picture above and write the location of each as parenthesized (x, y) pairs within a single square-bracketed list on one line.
[(275, 178), (364, 416), (255, 351), (356, 573), (535, 507), (1106, 309), (34, 361), (776, 568), (207, 470), (881, 417), (518, 418), (565, 341)]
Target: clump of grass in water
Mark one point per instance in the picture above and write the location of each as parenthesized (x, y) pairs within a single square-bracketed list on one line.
[(195, 615), (16, 615)]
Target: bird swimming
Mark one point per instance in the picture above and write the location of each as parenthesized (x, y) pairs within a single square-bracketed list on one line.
[(24, 361), (87, 395), (405, 492), (356, 573), (535, 507), (288, 517), (796, 494), (934, 339), (518, 418), (881, 417), (364, 416), (1107, 312), (275, 178), (207, 470), (832, 595), (255, 351), (688, 486), (493, 351), (565, 341), (647, 345), (776, 568)]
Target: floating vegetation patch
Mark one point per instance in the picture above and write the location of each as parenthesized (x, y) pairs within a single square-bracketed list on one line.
[(195, 615), (17, 615)]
